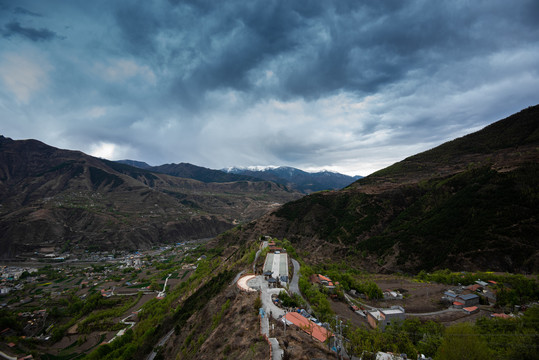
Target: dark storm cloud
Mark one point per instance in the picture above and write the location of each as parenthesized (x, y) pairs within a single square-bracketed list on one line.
[(312, 49), (37, 35), (261, 82), (23, 11)]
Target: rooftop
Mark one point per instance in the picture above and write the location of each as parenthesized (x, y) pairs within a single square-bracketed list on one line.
[(392, 311), (376, 314), (468, 296), (318, 332)]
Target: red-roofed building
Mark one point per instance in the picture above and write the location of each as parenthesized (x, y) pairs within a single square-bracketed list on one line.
[(324, 278), (474, 287), (471, 310), (316, 331), (458, 304)]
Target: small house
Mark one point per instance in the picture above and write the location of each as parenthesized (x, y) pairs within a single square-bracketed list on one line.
[(384, 317), (468, 299), (471, 310), (392, 295), (458, 305), (474, 287)]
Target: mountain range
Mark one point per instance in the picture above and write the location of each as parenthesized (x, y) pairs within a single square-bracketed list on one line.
[(469, 204), (64, 201), (296, 179), (305, 182)]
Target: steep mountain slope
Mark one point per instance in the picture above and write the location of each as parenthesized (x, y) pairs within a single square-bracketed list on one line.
[(303, 181), (66, 200), (469, 204)]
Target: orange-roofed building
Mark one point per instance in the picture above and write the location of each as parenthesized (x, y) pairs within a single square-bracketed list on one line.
[(471, 309), (316, 331), (324, 278), (458, 304)]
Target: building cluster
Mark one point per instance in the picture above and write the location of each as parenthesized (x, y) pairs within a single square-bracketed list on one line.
[(11, 279), (324, 281), (392, 295), (34, 321), (468, 297)]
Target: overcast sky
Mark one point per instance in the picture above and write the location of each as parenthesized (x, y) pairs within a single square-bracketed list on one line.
[(350, 86)]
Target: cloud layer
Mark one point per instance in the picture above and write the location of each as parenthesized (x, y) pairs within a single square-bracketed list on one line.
[(351, 86)]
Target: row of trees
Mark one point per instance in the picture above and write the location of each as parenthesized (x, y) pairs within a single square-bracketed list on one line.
[(486, 339)]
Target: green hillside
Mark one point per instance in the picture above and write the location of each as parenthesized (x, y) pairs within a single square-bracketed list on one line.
[(468, 204)]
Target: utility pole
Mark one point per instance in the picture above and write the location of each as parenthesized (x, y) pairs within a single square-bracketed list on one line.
[(284, 323), (338, 336), (340, 339)]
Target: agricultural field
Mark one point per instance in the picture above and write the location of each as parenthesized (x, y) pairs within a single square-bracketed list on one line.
[(66, 310)]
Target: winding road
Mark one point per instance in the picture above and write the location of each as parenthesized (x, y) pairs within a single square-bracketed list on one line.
[(294, 286)]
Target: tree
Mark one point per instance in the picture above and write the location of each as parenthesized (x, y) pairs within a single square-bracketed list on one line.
[(461, 341), (257, 304)]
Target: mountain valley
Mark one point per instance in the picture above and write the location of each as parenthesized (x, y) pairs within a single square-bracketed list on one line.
[(105, 260)]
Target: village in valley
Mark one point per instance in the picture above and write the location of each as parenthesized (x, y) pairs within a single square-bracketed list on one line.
[(397, 298), (39, 295)]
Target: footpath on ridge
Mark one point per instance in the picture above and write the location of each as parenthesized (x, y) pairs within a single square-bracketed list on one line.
[(251, 283)]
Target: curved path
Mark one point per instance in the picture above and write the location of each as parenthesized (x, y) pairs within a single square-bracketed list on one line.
[(351, 302), (161, 342), (434, 312), (294, 286), (236, 278), (258, 283)]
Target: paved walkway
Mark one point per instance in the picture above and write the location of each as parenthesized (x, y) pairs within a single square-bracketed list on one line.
[(254, 283), (259, 283), (269, 307), (161, 342), (276, 351), (6, 356), (277, 263), (294, 286)]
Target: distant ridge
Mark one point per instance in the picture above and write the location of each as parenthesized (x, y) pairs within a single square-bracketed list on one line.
[(293, 178), (190, 171), (134, 163), (306, 182)]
